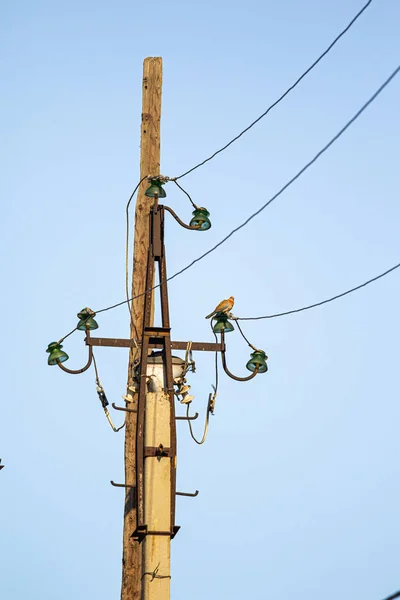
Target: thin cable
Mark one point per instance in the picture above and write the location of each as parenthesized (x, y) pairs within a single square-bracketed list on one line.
[(396, 595), (216, 366), (203, 439), (297, 310), (283, 95), (127, 240), (133, 326), (103, 399), (211, 400), (243, 336), (60, 341), (185, 192), (212, 397), (75, 328), (96, 371), (298, 174), (285, 187)]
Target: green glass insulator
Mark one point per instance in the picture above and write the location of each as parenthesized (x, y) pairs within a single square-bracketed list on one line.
[(258, 359), (155, 188), (86, 320), (56, 354), (222, 324), (89, 323), (200, 219)]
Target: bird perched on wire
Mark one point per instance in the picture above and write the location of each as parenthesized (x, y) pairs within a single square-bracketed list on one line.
[(223, 307)]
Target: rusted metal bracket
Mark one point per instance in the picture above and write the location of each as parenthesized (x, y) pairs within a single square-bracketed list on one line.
[(187, 418), (157, 451), (154, 343), (78, 371), (187, 494), (178, 219), (142, 531), (123, 485), (133, 410), (227, 371)]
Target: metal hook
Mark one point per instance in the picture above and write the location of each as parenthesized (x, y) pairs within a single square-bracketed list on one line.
[(187, 418), (187, 494), (78, 371), (123, 485), (133, 410)]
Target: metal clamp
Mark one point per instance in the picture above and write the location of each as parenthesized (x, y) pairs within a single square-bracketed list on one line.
[(157, 451)]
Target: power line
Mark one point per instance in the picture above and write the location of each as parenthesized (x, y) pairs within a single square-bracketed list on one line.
[(298, 174), (297, 310), (314, 64), (264, 206), (396, 595), (133, 325), (127, 241)]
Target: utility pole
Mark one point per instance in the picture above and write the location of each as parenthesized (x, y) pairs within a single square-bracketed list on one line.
[(155, 376), (149, 165)]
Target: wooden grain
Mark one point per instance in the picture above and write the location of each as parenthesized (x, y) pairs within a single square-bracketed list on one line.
[(149, 165)]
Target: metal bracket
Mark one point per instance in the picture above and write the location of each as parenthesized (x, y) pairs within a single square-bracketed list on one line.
[(187, 418), (78, 371), (123, 485), (187, 494), (122, 408), (142, 531), (154, 343), (157, 451), (178, 220)]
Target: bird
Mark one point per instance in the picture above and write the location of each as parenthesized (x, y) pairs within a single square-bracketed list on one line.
[(223, 307)]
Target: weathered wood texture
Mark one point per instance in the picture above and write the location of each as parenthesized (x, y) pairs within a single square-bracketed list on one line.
[(149, 165)]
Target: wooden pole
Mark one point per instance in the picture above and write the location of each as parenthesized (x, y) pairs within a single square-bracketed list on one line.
[(149, 165)]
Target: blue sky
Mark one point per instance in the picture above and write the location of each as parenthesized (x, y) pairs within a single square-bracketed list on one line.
[(298, 481)]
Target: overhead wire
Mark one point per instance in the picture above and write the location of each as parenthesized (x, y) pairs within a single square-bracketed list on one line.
[(243, 336), (133, 325), (127, 240), (274, 197), (185, 192), (297, 310), (293, 179), (310, 68), (82, 322), (393, 596)]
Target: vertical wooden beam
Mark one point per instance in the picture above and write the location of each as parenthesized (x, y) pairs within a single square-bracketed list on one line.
[(149, 165)]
